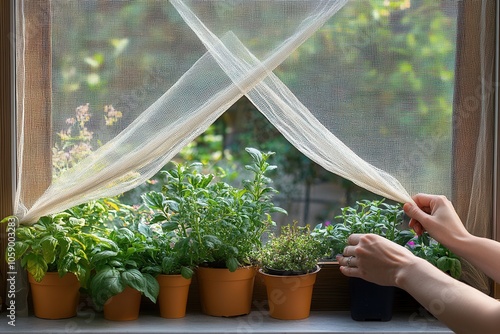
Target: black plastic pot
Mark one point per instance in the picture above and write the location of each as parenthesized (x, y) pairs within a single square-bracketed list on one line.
[(369, 301)]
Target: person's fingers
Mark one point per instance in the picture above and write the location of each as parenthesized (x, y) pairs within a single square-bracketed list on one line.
[(417, 227), (350, 271), (416, 214), (347, 261), (348, 251), (354, 239), (423, 200)]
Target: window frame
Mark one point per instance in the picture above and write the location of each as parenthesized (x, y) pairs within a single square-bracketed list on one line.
[(496, 161), (6, 127), (42, 98)]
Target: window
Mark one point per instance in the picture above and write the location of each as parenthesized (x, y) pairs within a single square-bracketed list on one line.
[(50, 72)]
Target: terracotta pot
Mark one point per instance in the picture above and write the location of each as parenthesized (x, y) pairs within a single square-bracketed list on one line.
[(55, 297), (289, 297), (224, 293), (172, 300), (123, 306)]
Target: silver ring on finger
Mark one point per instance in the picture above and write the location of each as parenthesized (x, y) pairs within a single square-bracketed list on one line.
[(349, 260)]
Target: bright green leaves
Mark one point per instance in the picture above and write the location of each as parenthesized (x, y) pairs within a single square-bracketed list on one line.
[(154, 200), (385, 220), (20, 248), (48, 245), (294, 250), (427, 248), (134, 279), (35, 265), (206, 220), (104, 285), (450, 265), (122, 259), (55, 243)]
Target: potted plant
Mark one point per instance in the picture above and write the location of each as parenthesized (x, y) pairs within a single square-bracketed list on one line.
[(171, 263), (369, 301), (118, 278), (289, 264), (221, 226), (54, 251)]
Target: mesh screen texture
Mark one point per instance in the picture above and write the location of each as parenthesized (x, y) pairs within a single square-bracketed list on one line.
[(199, 57)]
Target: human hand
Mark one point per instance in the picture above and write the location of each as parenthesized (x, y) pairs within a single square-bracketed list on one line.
[(436, 215), (374, 258)]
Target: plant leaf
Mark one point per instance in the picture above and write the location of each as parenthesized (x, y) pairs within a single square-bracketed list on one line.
[(103, 255), (187, 272), (49, 244), (36, 266), (232, 264), (134, 278), (104, 285), (20, 247), (152, 288)]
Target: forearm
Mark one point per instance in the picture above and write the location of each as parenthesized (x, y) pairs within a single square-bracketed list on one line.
[(483, 253), (459, 306)]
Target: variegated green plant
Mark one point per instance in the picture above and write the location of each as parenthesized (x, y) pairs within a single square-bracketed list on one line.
[(56, 243)]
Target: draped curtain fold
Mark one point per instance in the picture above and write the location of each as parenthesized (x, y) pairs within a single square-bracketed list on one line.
[(474, 125)]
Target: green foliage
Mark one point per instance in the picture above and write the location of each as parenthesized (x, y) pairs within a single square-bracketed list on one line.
[(294, 251), (385, 220), (57, 243), (120, 262), (169, 253), (398, 56), (365, 217), (216, 223), (427, 248)]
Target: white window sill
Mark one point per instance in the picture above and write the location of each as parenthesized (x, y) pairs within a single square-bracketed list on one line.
[(255, 322)]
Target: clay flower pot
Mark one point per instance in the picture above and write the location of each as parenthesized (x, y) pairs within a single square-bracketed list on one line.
[(289, 297), (174, 290), (55, 297), (124, 306), (224, 293)]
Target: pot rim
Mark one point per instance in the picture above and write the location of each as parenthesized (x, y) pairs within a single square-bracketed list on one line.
[(317, 269)]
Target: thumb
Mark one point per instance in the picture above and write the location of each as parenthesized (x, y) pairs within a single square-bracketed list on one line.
[(417, 217)]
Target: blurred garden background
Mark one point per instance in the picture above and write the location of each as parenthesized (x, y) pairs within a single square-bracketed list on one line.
[(391, 55)]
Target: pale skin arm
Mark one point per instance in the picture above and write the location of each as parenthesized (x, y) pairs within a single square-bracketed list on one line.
[(436, 215), (461, 307)]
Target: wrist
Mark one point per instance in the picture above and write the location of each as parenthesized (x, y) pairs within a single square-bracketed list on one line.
[(460, 245), (412, 271)]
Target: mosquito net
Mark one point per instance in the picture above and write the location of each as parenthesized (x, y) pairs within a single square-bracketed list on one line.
[(364, 89), (239, 45)]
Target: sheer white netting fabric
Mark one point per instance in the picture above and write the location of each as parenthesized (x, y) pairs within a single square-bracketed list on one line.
[(206, 55), (234, 65)]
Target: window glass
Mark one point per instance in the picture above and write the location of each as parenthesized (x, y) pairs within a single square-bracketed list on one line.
[(379, 75)]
